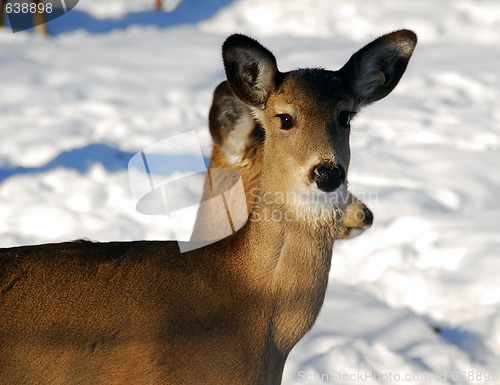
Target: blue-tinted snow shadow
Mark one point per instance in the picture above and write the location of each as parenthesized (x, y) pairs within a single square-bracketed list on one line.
[(469, 342), (112, 159), (188, 12)]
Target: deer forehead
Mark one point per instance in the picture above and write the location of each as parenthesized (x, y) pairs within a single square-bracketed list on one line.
[(310, 91)]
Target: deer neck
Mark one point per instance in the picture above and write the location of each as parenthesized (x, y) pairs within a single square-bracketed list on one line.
[(290, 260)]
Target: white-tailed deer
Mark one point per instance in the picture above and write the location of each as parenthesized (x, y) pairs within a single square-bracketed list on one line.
[(237, 144), (228, 313)]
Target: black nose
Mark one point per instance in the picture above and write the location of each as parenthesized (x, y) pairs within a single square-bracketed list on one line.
[(368, 217), (328, 177)]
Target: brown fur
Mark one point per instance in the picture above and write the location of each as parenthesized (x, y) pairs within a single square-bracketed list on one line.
[(231, 121), (228, 313)]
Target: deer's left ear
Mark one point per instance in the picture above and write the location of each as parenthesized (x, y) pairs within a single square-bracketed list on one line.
[(376, 69)]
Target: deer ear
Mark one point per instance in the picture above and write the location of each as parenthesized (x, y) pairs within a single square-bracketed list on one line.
[(375, 69), (232, 125), (250, 69)]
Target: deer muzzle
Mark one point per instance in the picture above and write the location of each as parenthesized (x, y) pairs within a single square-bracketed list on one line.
[(328, 177)]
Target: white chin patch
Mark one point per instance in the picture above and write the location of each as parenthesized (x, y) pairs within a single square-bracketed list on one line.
[(314, 198)]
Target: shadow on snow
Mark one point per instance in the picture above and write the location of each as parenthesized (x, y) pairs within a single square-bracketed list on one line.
[(188, 12), (112, 159)]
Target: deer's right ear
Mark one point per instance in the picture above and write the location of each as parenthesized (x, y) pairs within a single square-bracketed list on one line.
[(250, 69)]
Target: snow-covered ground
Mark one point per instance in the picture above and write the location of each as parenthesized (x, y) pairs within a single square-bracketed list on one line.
[(416, 299)]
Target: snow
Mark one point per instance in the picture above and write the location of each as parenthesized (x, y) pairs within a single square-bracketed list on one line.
[(117, 77)]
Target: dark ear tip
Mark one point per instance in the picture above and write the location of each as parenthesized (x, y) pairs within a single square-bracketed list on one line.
[(407, 34), (404, 39), (239, 40)]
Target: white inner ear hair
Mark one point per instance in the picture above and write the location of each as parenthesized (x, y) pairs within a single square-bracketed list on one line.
[(236, 142)]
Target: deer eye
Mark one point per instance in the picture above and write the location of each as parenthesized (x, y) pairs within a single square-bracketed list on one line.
[(345, 118), (287, 121)]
